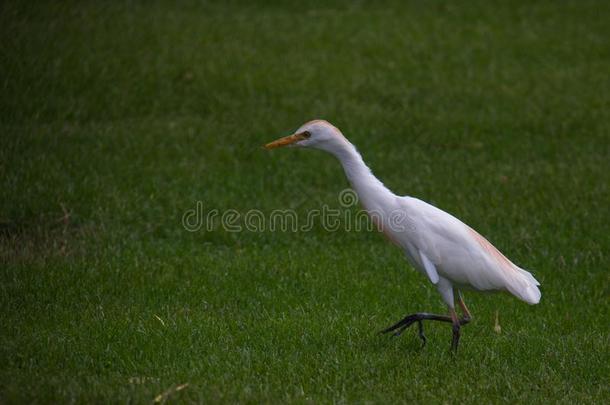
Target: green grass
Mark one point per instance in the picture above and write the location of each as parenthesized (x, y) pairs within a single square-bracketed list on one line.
[(124, 115)]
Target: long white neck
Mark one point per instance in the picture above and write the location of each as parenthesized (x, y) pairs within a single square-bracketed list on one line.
[(373, 194)]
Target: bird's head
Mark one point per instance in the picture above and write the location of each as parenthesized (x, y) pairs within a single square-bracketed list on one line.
[(317, 134)]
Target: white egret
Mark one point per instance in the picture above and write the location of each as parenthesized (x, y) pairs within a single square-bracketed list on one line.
[(444, 249)]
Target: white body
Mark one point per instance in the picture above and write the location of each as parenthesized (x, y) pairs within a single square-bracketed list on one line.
[(447, 251)]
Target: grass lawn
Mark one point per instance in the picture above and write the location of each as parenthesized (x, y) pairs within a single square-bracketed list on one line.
[(116, 118)]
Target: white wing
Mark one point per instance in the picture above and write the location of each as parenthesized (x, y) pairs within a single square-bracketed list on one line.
[(451, 249), (429, 267)]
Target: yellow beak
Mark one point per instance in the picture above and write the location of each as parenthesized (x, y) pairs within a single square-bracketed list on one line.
[(287, 140)]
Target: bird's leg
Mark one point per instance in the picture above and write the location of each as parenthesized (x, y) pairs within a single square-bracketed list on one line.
[(456, 330), (457, 322), (467, 317)]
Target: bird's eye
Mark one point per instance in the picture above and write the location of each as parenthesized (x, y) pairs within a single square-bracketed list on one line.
[(306, 135)]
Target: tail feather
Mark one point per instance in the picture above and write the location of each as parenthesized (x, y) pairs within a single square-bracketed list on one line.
[(524, 286)]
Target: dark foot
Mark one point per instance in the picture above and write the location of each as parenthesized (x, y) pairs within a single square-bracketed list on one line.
[(399, 327), (421, 333), (402, 328), (409, 320)]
